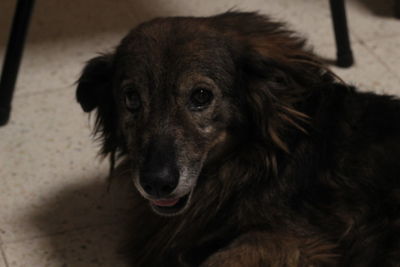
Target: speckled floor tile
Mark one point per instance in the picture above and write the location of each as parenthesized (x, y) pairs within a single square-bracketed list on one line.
[(388, 52), (300, 15), (371, 20), (58, 64), (63, 35), (51, 177), (2, 260), (368, 73), (311, 18), (82, 248)]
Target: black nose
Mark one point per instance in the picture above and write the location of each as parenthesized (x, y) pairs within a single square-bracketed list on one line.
[(159, 174), (159, 183)]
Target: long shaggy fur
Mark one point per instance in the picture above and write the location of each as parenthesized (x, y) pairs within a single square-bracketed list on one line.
[(313, 181)]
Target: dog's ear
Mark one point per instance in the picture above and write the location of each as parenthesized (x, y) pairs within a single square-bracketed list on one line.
[(94, 82), (277, 71), (94, 91), (274, 91)]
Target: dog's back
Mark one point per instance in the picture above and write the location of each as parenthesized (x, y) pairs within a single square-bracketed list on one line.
[(355, 192)]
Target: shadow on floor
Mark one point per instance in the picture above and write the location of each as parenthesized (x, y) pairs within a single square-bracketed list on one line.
[(85, 225), (380, 8)]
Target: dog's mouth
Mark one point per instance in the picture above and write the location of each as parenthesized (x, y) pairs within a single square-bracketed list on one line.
[(171, 206)]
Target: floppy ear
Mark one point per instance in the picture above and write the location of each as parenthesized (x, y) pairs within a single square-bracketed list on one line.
[(277, 70), (94, 82), (274, 91), (95, 91)]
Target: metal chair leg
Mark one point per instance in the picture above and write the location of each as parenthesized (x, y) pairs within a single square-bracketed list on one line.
[(13, 57), (344, 54)]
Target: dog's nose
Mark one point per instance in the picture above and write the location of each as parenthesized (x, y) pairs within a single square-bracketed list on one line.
[(159, 174), (159, 183)]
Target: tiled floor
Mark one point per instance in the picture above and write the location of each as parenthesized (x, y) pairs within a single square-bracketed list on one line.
[(54, 206)]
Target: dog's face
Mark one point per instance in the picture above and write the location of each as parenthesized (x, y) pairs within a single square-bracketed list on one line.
[(175, 103), (171, 98), (174, 99)]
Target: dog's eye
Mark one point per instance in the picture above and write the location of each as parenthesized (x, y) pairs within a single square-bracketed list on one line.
[(132, 101), (200, 98)]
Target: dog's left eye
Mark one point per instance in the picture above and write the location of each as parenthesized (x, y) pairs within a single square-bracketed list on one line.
[(132, 101), (200, 98)]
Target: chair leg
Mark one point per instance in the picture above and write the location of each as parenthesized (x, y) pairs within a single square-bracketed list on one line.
[(13, 57), (344, 54), (397, 8)]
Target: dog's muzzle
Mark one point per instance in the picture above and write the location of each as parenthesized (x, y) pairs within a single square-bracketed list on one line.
[(159, 178)]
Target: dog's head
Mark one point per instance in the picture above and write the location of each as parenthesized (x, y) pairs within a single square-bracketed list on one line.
[(178, 92)]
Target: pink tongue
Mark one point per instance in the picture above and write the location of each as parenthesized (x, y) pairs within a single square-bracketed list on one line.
[(165, 202)]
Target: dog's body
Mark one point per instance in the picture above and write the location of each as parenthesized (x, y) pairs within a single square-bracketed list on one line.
[(250, 147)]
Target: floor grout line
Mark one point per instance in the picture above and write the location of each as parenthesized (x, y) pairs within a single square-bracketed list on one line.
[(363, 43), (3, 254), (381, 38), (381, 61)]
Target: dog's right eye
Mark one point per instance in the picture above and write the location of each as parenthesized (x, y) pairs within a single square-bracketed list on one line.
[(132, 101), (200, 98)]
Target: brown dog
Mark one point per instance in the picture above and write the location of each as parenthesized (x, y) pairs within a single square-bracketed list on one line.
[(248, 149)]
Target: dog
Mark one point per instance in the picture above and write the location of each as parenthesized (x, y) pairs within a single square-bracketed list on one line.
[(244, 148)]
